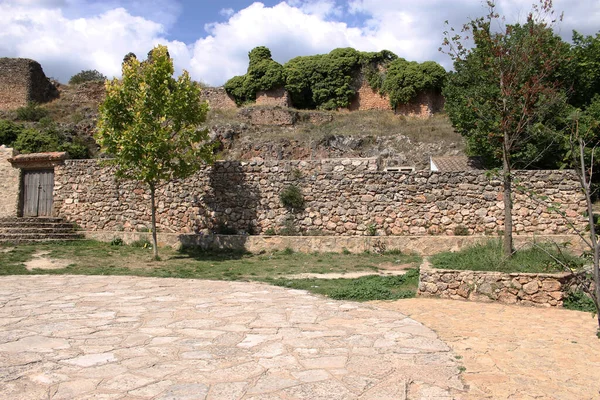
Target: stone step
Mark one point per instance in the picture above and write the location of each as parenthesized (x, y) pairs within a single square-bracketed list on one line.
[(33, 241), (41, 220), (47, 230), (66, 225), (11, 238)]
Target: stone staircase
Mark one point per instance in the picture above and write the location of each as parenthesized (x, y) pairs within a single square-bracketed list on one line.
[(34, 230)]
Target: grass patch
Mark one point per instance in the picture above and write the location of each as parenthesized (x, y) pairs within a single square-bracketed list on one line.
[(372, 287), (89, 257), (489, 257)]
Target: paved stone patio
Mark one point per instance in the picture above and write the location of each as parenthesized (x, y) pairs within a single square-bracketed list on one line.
[(110, 337), (515, 352)]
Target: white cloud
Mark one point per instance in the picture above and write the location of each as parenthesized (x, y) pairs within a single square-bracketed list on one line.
[(97, 37), (227, 12)]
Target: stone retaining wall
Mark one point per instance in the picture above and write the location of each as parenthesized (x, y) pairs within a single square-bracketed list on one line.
[(421, 245), (544, 290), (346, 197)]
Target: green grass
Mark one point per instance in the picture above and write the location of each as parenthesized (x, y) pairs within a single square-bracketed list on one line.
[(488, 257), (96, 258), (372, 287)]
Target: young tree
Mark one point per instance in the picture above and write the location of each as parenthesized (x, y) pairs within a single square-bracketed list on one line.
[(149, 122), (504, 94), (584, 148)]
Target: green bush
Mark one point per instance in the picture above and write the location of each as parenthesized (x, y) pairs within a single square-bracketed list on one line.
[(263, 74), (87, 76), (404, 80), (461, 230), (327, 81), (33, 141), (49, 138), (9, 131), (292, 198), (31, 112), (578, 300), (372, 229), (116, 242)]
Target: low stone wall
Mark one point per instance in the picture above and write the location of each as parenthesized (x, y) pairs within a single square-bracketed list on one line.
[(9, 184), (543, 290), (422, 245), (274, 116)]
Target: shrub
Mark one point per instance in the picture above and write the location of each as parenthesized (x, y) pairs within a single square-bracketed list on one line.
[(270, 232), (404, 80), (291, 197), (461, 230), (116, 242), (263, 74), (289, 227), (90, 75), (9, 131), (326, 81), (31, 112), (371, 229), (142, 243), (578, 300), (34, 141)]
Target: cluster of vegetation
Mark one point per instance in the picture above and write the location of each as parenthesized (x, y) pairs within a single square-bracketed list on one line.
[(43, 137), (90, 75), (327, 81), (88, 257), (488, 256), (546, 81), (366, 288)]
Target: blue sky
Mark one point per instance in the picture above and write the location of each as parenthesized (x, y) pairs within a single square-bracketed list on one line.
[(211, 39)]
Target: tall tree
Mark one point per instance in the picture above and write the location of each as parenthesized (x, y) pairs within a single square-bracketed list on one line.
[(149, 122), (504, 93)]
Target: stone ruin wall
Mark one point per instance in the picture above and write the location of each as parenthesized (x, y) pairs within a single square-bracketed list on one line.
[(218, 99), (23, 81), (9, 184), (368, 98), (423, 106), (342, 197), (278, 97)]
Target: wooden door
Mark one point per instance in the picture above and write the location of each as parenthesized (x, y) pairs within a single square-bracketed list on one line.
[(38, 187)]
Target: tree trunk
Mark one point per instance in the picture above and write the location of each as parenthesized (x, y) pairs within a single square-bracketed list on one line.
[(507, 195), (154, 241)]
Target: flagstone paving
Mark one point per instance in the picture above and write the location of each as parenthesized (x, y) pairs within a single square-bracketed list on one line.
[(515, 352), (110, 337)]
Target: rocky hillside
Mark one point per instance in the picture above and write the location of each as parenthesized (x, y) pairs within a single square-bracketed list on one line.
[(282, 133)]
